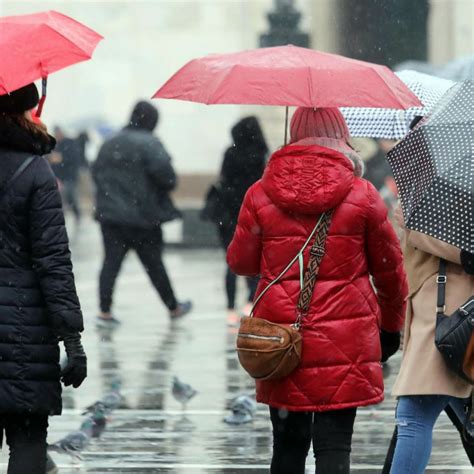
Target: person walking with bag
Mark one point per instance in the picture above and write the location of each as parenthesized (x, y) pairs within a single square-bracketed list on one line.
[(318, 176), (425, 386), (242, 166), (134, 177), (38, 296)]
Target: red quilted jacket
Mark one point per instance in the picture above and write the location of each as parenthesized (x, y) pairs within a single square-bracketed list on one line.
[(341, 350)]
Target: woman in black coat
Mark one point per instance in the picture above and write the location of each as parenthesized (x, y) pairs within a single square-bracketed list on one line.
[(243, 165), (38, 301)]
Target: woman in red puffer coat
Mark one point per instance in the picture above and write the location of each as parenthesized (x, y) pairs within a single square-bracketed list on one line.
[(340, 368)]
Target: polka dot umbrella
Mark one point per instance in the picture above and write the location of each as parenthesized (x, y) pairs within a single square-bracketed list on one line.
[(434, 170), (394, 124)]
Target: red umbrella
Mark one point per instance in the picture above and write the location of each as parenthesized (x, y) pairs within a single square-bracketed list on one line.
[(288, 76), (34, 46)]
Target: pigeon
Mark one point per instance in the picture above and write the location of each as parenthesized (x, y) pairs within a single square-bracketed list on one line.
[(243, 410), (74, 443), (182, 392), (111, 400), (98, 415)]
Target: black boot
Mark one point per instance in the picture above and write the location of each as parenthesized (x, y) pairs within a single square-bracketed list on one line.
[(391, 451), (466, 438)]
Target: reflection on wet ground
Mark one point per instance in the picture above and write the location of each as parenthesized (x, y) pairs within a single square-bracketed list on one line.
[(149, 432)]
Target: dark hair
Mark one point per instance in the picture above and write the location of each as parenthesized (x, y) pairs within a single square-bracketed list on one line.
[(38, 129)]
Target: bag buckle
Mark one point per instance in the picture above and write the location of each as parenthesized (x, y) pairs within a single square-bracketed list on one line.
[(465, 308), (441, 279), (441, 309), (299, 319)]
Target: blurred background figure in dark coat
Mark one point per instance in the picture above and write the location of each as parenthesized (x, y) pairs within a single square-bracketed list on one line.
[(242, 166), (134, 177)]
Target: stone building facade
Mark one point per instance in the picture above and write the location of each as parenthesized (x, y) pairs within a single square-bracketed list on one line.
[(147, 40)]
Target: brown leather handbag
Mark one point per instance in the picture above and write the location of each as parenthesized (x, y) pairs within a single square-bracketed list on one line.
[(269, 351)]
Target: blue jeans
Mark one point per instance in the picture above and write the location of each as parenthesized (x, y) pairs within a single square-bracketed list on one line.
[(416, 417)]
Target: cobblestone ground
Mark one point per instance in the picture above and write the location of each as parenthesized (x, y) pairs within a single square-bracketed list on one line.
[(150, 433)]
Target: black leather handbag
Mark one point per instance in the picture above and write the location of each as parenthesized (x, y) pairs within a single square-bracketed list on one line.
[(214, 207), (454, 335)]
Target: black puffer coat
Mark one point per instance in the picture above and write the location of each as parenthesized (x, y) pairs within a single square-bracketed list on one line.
[(134, 176), (38, 301)]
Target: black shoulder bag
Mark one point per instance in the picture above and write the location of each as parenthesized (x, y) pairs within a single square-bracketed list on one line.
[(454, 335), (214, 208)]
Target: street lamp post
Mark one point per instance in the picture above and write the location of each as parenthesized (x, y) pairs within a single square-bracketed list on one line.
[(284, 26)]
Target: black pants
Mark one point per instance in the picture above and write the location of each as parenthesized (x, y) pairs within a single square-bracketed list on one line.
[(231, 288), (70, 197), (226, 234), (148, 244), (26, 437), (331, 433)]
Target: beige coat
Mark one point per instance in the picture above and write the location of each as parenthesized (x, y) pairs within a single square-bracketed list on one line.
[(423, 371)]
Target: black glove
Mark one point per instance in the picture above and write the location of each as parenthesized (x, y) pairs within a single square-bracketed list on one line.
[(467, 262), (76, 369), (390, 342)]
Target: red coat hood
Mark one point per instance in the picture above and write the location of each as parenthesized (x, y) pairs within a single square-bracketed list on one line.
[(307, 179)]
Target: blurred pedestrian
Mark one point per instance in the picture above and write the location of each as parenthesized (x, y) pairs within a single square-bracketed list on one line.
[(377, 169), (38, 300), (134, 177), (242, 166), (81, 142), (425, 386), (317, 402), (66, 161)]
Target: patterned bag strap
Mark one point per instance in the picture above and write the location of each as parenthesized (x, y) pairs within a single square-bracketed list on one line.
[(297, 257), (312, 271)]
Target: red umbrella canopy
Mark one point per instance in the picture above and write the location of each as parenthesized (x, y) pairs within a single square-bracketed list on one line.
[(288, 76), (34, 46)]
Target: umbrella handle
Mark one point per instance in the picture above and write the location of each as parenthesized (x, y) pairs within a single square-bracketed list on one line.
[(44, 88), (286, 125)]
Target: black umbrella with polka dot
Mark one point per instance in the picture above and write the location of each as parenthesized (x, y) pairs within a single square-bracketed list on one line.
[(434, 170)]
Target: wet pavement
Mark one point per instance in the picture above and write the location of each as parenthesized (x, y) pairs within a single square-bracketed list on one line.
[(150, 432)]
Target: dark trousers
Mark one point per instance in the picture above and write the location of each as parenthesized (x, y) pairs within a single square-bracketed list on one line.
[(69, 193), (148, 244), (26, 437), (331, 433), (231, 288), (226, 234)]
